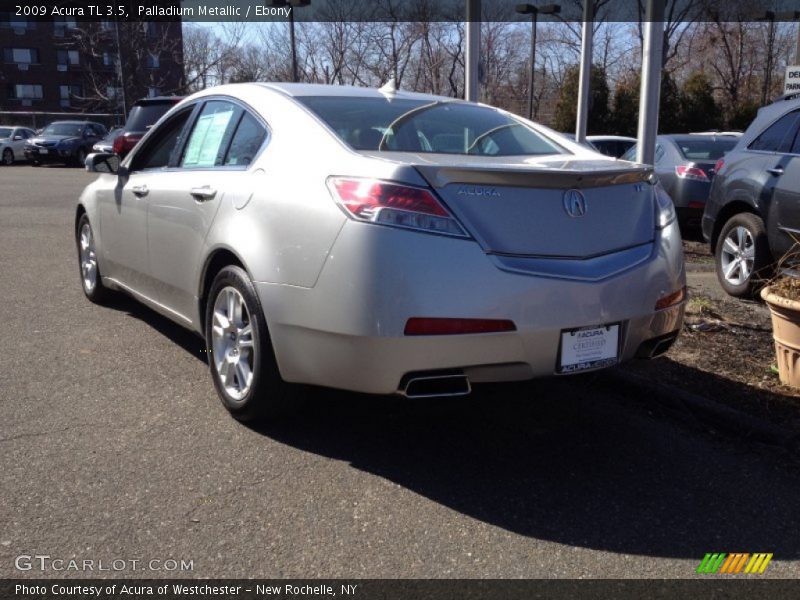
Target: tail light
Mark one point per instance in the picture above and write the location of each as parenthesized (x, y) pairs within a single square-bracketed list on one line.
[(394, 204), (719, 164), (125, 143), (694, 173)]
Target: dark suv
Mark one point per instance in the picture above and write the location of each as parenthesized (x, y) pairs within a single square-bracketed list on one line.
[(752, 216), (143, 116)]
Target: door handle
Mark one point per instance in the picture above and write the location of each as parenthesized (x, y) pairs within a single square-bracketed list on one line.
[(777, 171), (140, 190), (203, 193)]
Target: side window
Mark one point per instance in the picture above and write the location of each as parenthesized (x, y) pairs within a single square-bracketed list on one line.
[(246, 142), (630, 154), (659, 155), (155, 154), (210, 135), (778, 136)]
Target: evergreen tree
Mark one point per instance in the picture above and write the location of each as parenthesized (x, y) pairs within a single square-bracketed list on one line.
[(567, 107), (700, 110)]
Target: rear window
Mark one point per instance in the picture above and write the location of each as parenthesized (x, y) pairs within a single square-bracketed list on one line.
[(144, 116), (403, 125), (704, 149)]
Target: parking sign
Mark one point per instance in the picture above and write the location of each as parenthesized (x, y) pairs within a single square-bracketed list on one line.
[(792, 82)]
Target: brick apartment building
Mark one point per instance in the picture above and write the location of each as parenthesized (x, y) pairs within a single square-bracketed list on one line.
[(54, 69)]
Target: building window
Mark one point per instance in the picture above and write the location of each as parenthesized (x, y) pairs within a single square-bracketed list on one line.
[(153, 61), (113, 92), (18, 24), (64, 24), (25, 91), (66, 93), (109, 59), (69, 58), (106, 25), (21, 56), (153, 92)]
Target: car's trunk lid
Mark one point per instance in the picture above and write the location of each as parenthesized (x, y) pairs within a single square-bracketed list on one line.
[(564, 208)]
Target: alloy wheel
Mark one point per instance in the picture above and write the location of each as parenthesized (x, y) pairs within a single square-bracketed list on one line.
[(738, 255), (233, 350), (88, 258)]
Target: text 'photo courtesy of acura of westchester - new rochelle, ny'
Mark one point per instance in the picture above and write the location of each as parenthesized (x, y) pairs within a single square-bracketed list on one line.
[(381, 241)]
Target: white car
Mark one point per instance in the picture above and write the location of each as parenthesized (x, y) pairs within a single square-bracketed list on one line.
[(381, 242), (12, 143)]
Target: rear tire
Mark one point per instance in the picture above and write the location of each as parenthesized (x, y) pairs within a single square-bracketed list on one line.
[(742, 255), (240, 355), (91, 282)]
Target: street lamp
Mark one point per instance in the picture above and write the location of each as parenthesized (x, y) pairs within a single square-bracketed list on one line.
[(294, 4), (534, 12)]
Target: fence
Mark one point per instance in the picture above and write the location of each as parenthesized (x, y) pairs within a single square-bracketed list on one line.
[(39, 119)]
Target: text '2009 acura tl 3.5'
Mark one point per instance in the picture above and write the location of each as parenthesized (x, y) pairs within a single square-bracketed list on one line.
[(382, 242)]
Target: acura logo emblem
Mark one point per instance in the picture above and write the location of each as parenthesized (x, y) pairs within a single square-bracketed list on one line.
[(574, 203)]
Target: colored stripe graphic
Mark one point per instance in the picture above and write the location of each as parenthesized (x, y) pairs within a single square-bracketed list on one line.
[(720, 562)]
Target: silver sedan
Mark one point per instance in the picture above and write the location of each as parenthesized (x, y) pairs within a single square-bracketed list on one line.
[(381, 241)]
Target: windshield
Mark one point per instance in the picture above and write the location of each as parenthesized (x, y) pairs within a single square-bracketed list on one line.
[(403, 125), (5, 132), (700, 149), (73, 129)]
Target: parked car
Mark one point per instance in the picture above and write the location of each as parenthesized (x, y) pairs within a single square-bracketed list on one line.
[(64, 142), (753, 214), (611, 145), (685, 165), (107, 143), (143, 116), (12, 143), (383, 242)]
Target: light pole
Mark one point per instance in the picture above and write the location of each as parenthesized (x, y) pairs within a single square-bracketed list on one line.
[(534, 12), (293, 4)]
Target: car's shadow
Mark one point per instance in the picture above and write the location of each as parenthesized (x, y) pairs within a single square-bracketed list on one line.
[(564, 460)]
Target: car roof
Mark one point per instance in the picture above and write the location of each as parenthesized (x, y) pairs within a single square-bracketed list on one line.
[(158, 100), (16, 126), (297, 90), (693, 137), (610, 138), (74, 123)]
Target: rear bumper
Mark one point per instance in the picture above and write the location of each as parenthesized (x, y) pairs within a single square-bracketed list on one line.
[(347, 331)]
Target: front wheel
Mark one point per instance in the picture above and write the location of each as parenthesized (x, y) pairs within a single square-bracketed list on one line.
[(87, 260), (742, 255), (8, 157), (80, 157), (241, 359)]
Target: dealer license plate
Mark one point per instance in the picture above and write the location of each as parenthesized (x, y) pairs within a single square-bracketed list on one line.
[(43, 151), (589, 348)]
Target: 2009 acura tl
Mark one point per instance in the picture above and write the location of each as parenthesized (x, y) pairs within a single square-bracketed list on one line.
[(382, 242)]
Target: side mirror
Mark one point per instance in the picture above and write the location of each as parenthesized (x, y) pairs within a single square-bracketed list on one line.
[(102, 162), (17, 138)]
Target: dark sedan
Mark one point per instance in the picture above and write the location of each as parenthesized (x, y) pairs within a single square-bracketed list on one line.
[(64, 142), (685, 166)]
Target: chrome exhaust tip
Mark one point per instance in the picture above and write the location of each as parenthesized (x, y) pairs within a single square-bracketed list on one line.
[(431, 385)]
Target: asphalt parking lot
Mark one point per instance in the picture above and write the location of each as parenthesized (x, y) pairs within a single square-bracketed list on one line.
[(113, 445)]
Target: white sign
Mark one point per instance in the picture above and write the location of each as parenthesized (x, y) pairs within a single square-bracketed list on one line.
[(792, 83)]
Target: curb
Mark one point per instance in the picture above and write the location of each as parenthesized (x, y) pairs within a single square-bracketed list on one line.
[(709, 412)]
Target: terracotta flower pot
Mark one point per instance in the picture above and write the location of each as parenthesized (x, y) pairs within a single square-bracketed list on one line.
[(786, 333)]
